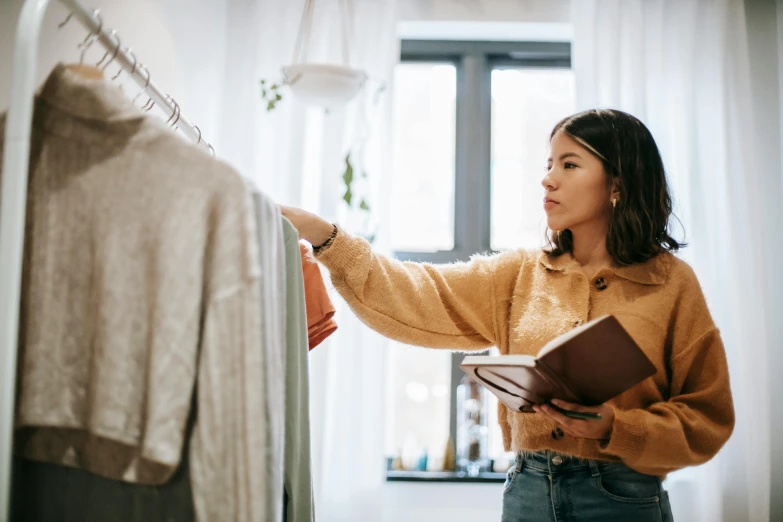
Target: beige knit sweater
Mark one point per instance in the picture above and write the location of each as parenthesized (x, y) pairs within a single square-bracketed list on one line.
[(518, 301), (141, 298)]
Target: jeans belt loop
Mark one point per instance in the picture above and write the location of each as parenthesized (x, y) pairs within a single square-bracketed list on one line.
[(594, 468)]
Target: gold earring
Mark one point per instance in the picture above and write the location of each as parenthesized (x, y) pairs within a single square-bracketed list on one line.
[(614, 203)]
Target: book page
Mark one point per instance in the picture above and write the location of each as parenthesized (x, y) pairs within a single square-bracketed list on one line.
[(498, 360)]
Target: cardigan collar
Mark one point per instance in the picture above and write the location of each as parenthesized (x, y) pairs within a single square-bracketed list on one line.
[(652, 272)]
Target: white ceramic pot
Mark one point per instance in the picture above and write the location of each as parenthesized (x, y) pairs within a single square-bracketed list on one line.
[(324, 85)]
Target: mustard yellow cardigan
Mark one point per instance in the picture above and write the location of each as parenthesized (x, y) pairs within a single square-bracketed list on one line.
[(520, 300)]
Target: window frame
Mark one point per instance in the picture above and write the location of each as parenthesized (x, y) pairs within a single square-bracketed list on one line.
[(474, 62)]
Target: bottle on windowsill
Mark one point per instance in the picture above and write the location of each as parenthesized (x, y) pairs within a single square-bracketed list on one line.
[(472, 427), (449, 457)]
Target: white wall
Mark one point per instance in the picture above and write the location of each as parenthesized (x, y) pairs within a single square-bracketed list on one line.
[(546, 11), (765, 35), (441, 502), (765, 46), (776, 356)]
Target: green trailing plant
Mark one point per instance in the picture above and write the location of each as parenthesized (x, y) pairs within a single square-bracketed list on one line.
[(348, 180), (271, 94), (348, 195)]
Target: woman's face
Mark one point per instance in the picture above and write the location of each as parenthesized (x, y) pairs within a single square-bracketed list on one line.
[(577, 193)]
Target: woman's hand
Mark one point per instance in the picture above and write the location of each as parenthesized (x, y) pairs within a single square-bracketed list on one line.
[(311, 228), (585, 429)]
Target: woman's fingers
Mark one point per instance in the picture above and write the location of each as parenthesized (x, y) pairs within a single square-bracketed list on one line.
[(591, 429), (559, 418)]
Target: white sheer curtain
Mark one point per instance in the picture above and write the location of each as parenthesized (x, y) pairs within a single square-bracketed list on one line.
[(297, 155), (682, 67)]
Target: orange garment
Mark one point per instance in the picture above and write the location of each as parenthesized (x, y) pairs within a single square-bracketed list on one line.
[(320, 311)]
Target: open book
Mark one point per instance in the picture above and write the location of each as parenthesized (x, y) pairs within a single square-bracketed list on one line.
[(589, 365)]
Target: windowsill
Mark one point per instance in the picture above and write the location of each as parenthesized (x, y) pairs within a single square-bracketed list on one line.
[(444, 476)]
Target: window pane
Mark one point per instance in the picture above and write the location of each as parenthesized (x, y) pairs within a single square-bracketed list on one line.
[(422, 200), (526, 105), (418, 403)]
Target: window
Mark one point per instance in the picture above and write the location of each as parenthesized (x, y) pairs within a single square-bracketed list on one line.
[(418, 402), (526, 105), (425, 101), (471, 128)]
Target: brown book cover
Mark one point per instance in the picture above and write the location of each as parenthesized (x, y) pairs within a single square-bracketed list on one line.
[(589, 365)]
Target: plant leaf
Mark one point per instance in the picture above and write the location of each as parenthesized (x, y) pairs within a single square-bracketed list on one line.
[(348, 175), (278, 97), (270, 106), (348, 197), (363, 205)]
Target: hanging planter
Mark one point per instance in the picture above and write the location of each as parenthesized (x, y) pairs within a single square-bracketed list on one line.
[(329, 86), (323, 85)]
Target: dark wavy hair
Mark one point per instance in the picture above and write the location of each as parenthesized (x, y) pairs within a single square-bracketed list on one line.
[(639, 224)]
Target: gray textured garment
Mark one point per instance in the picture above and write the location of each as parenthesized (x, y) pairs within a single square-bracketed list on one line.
[(298, 470), (272, 254), (141, 298)]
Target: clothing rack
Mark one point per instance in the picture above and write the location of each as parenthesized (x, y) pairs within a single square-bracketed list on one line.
[(14, 185)]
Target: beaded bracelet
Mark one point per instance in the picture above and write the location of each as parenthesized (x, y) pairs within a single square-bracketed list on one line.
[(326, 243)]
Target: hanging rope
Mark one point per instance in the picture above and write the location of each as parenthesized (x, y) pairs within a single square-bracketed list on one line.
[(303, 35), (346, 15), (347, 18)]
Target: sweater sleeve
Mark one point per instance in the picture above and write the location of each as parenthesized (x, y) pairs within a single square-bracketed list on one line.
[(437, 306), (228, 452), (235, 454), (697, 419)]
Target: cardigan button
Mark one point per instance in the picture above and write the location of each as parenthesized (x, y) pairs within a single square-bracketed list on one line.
[(557, 433), (600, 283)]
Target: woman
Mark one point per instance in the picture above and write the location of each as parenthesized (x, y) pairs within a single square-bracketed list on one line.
[(608, 208)]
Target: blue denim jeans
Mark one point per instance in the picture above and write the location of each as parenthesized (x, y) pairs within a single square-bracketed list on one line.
[(546, 487)]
